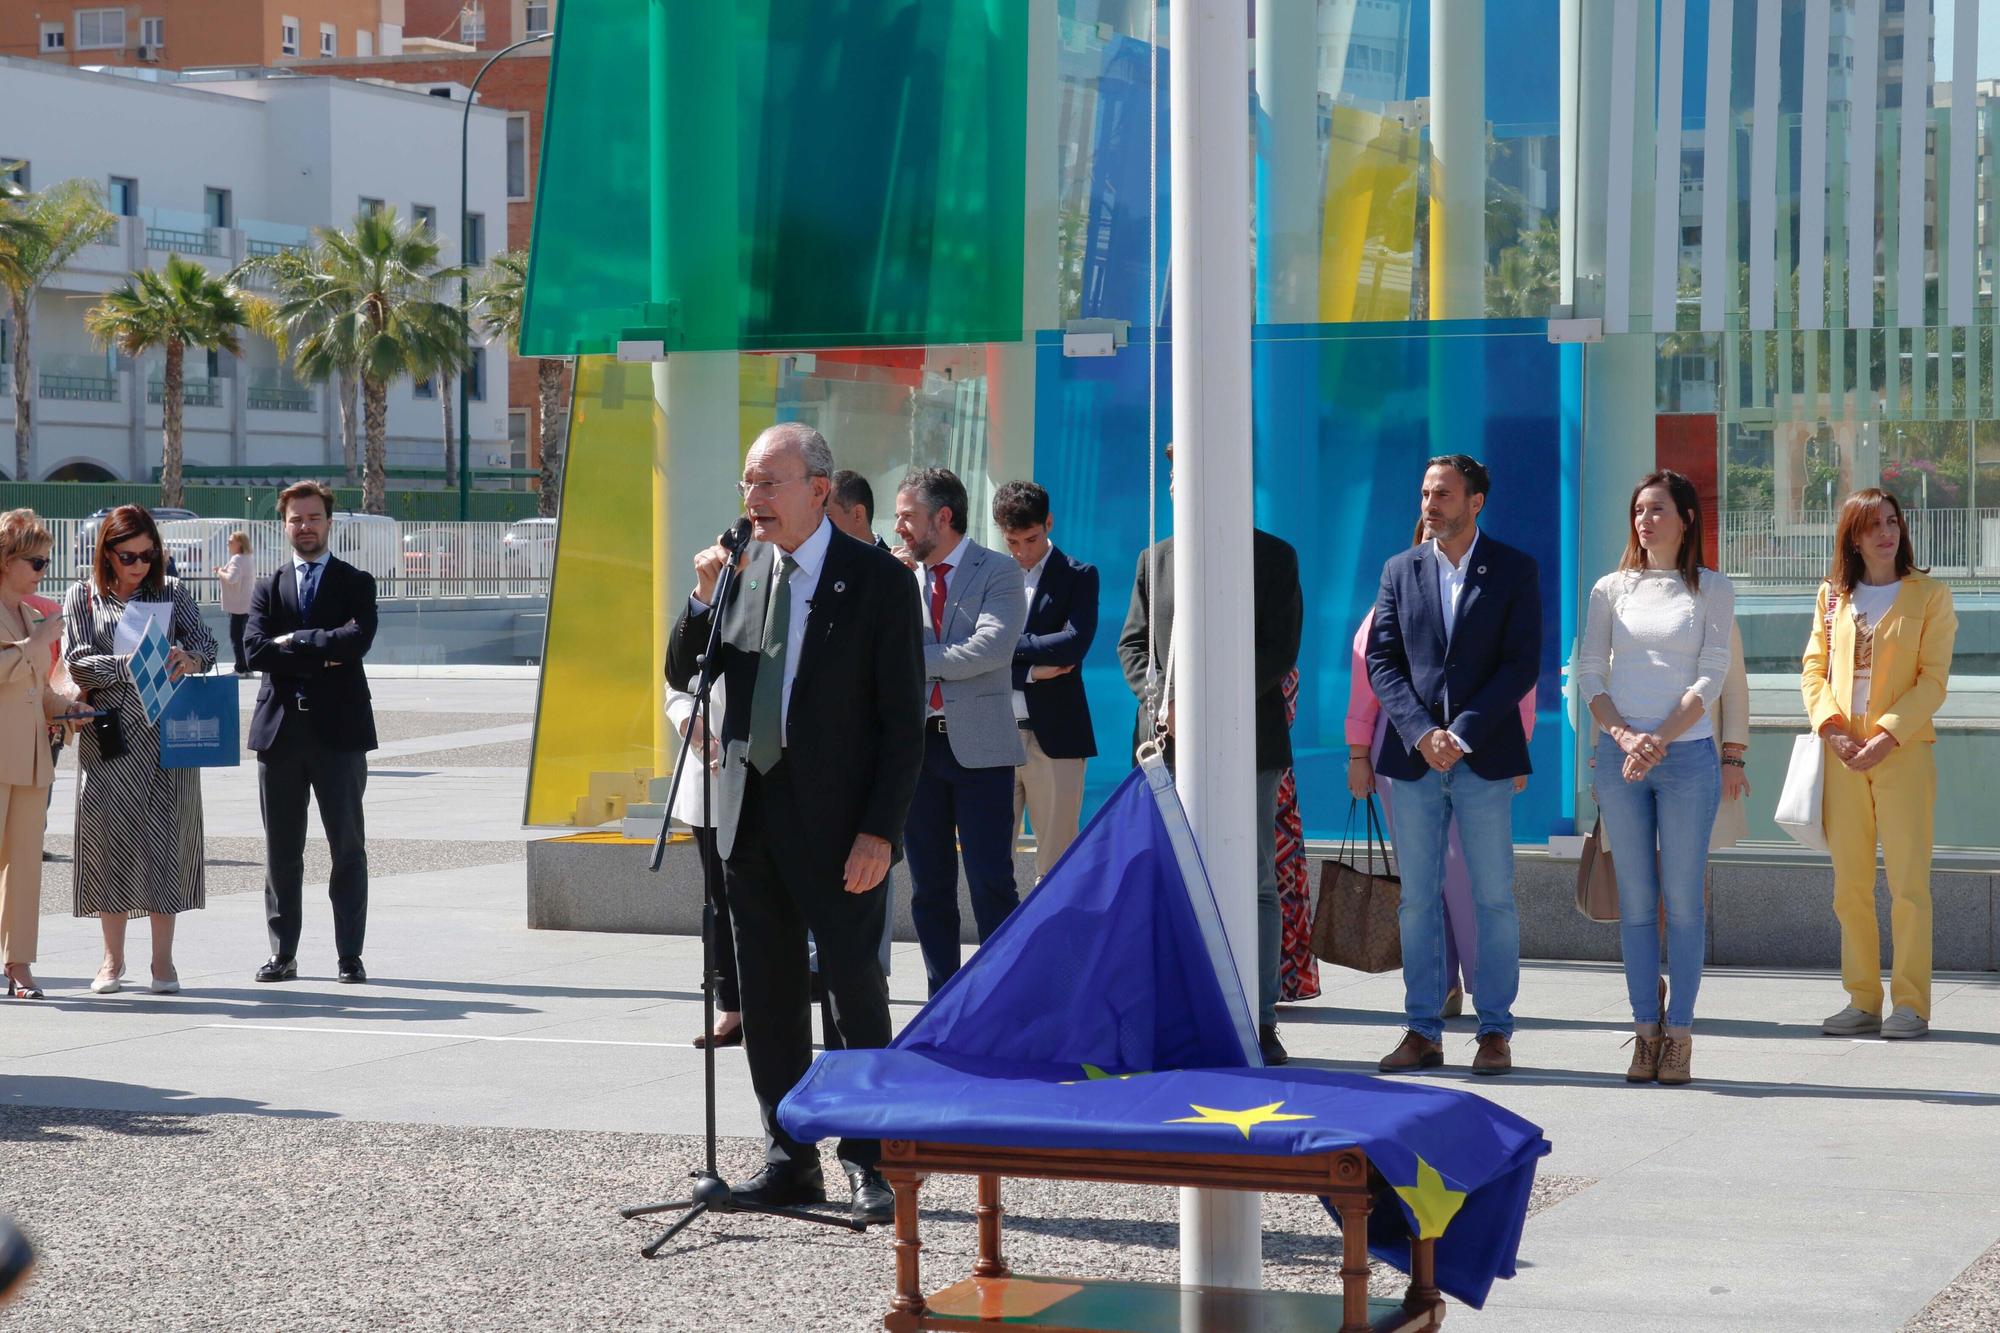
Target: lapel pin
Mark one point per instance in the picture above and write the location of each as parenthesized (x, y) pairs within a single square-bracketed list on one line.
[(838, 586), (753, 585), (1480, 570)]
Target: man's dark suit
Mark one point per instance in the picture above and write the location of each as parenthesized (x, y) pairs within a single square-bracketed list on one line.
[(1279, 617), (313, 727), (853, 745), (1062, 622), (1474, 687)]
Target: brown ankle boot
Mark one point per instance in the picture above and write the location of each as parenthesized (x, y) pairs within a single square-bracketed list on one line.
[(1415, 1052), (1676, 1060), (1645, 1059)]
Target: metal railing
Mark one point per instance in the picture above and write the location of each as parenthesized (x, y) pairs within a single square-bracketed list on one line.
[(430, 561), (1794, 550), (80, 388), (274, 398), (268, 249), (176, 241), (194, 393)]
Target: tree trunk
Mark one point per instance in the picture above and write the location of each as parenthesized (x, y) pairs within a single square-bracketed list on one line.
[(555, 423), (375, 466), (170, 424), (349, 428), (450, 440), (24, 394)]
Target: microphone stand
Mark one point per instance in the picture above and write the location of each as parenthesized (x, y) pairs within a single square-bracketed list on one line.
[(711, 1193)]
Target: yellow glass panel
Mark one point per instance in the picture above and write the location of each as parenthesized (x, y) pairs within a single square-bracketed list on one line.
[(1368, 247)]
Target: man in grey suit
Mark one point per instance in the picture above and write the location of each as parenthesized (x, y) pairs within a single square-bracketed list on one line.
[(973, 605)]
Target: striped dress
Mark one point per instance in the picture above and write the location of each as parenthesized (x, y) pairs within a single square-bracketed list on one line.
[(138, 826)]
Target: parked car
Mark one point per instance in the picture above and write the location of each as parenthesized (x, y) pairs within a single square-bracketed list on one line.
[(529, 548), (368, 541), (454, 552)]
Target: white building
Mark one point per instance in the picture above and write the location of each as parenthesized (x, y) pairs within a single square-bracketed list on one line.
[(218, 168)]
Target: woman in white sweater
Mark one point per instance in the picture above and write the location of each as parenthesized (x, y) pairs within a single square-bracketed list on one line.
[(1654, 656)]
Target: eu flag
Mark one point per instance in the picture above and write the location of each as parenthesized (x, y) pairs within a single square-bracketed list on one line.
[(1106, 1013)]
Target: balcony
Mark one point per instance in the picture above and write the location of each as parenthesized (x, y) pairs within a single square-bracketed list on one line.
[(176, 241), (194, 393), (80, 388), (282, 398)]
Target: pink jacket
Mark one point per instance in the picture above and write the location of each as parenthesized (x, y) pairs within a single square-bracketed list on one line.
[(1363, 708)]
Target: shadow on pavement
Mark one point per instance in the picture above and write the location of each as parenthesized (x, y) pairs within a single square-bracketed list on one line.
[(40, 1108)]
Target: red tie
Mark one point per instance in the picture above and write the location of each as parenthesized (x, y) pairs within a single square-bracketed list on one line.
[(937, 625)]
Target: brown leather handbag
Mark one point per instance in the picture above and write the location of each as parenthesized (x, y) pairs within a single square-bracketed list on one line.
[(1356, 923), (1596, 878)]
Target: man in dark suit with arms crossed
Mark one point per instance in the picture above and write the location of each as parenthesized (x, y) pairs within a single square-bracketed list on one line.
[(310, 625), (821, 743), (1456, 642)]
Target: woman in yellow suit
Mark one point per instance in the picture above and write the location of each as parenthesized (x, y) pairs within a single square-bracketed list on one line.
[(1872, 696)]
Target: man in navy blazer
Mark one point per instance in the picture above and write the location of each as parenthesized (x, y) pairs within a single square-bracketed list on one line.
[(1456, 642), (1049, 703)]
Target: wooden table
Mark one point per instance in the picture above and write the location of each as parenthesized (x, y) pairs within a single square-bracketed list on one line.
[(996, 1298)]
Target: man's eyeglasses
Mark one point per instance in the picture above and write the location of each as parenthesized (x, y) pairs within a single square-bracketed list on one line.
[(746, 489), (130, 558), (38, 563)]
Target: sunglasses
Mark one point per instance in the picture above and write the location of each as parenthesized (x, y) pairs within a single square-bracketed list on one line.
[(130, 558), (38, 563)]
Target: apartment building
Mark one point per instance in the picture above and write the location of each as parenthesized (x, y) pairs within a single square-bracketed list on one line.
[(190, 34), (219, 168), (484, 25)]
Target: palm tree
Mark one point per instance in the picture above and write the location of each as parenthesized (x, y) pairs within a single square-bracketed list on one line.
[(60, 220), (17, 231), (502, 299), (180, 306), (292, 274), (369, 299)]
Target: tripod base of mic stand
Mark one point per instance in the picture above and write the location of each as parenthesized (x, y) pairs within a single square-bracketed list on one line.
[(713, 1195)]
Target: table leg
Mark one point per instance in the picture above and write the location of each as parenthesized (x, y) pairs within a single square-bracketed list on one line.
[(1354, 1264), (907, 1309), (988, 1211), (1423, 1293)]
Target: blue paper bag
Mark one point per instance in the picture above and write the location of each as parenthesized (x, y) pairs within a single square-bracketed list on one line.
[(198, 726)]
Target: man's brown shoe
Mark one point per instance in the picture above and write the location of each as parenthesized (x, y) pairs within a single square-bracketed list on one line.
[(1495, 1056), (1416, 1052)]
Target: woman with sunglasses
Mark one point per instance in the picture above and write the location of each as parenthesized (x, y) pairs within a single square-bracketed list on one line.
[(138, 826), (29, 701)]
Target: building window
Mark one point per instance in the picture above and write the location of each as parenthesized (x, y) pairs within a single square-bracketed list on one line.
[(475, 376), (216, 205), (517, 157), (425, 388), (124, 196), (1892, 47), (1690, 235), (517, 439), (55, 37), (425, 216), (370, 206), (14, 171), (153, 33), (535, 20), (329, 40), (100, 29), (475, 238), (288, 36), (472, 24), (364, 43)]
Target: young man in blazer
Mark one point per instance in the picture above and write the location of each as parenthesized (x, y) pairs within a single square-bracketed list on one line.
[(821, 741), (972, 607), (311, 624), (1456, 642), (1049, 704)]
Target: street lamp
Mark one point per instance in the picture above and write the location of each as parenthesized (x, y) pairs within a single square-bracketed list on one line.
[(464, 292)]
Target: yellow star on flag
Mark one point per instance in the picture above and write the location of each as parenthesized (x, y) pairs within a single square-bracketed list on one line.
[(1430, 1202), (1242, 1120)]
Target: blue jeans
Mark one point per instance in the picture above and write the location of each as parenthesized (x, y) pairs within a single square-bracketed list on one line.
[(1671, 808), (1425, 809)]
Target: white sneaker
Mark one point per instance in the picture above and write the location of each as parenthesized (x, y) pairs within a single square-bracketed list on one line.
[(1903, 1024), (1852, 1022)]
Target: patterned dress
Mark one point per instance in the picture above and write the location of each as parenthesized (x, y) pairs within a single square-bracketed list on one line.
[(138, 826), (1298, 970)]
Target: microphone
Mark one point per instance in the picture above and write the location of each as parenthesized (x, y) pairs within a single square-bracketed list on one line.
[(732, 540)]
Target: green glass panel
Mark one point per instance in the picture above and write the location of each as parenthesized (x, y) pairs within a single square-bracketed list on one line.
[(758, 174)]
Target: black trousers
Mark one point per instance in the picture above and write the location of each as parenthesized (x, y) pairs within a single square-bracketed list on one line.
[(728, 996), (298, 765), (236, 626), (782, 882)]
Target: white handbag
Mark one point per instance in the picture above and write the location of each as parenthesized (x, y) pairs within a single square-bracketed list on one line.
[(1801, 810)]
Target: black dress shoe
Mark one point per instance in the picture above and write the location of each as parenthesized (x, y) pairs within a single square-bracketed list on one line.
[(778, 1186), (351, 971), (1273, 1049), (279, 969), (874, 1201)]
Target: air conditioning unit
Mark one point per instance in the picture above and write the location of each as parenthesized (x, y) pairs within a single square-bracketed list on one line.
[(150, 53), (497, 460)]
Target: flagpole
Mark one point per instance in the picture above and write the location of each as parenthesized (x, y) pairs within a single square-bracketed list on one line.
[(1209, 46)]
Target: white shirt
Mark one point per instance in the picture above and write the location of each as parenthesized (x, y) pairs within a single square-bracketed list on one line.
[(1648, 641), (1034, 578), (811, 558), (951, 560), (1871, 603), (299, 566), (1451, 583)]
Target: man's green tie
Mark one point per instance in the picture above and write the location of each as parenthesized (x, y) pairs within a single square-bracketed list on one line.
[(767, 700)]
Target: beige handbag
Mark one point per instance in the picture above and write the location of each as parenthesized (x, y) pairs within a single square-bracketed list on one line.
[(1596, 878), (1357, 922)]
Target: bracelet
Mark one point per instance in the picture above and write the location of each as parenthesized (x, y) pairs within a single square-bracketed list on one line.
[(1733, 763)]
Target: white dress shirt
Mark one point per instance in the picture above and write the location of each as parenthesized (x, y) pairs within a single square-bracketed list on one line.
[(1451, 585), (811, 558), (951, 561), (1032, 581)]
